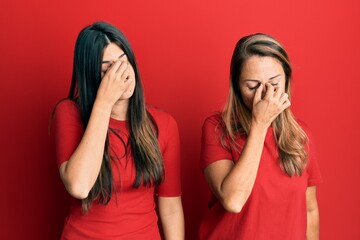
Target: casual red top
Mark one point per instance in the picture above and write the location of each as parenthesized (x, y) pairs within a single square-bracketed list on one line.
[(276, 207), (130, 214)]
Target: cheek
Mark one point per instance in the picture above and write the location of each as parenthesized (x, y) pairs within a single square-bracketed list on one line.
[(132, 72), (133, 76), (282, 84), (248, 97), (133, 86)]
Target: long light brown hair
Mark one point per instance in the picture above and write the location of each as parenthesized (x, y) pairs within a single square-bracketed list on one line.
[(290, 137)]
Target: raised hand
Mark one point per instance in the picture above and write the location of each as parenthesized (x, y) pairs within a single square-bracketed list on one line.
[(116, 82), (267, 108)]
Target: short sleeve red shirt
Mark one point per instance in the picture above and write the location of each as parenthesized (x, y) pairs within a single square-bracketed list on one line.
[(276, 207), (130, 214)]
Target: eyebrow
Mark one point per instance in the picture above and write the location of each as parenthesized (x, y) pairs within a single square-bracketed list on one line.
[(275, 77), (111, 60), (253, 80)]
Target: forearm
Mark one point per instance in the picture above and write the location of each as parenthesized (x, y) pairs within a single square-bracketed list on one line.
[(313, 222), (81, 170), (312, 230), (238, 184), (172, 218)]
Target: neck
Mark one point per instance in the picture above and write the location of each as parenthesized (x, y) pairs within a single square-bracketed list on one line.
[(119, 110)]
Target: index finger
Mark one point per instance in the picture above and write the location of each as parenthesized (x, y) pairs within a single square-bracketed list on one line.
[(115, 67), (269, 91), (258, 93)]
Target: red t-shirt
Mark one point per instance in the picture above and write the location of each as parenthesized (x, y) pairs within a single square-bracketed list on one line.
[(276, 207), (130, 214)]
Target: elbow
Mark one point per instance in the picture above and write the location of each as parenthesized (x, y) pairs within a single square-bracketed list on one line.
[(77, 191), (74, 186), (232, 205)]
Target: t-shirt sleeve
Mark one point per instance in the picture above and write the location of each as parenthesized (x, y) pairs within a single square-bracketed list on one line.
[(211, 147), (171, 186), (312, 168), (66, 130)]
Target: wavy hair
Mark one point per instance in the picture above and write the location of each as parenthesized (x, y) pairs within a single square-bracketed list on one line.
[(86, 78), (290, 137)]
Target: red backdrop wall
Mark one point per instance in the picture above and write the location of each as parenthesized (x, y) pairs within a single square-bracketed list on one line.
[(183, 50)]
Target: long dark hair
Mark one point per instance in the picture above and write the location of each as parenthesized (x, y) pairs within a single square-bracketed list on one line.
[(291, 138), (86, 78)]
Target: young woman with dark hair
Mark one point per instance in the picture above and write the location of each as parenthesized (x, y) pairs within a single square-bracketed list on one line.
[(257, 158), (116, 156)]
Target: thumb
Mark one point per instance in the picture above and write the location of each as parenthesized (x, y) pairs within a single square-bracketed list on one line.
[(258, 93)]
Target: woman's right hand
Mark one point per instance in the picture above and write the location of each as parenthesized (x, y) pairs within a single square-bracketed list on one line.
[(114, 84), (267, 108), (80, 172)]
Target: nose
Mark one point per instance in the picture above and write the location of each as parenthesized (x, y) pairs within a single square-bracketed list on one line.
[(263, 90)]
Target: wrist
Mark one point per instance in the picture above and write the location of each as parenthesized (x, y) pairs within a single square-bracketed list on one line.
[(258, 127), (102, 106)]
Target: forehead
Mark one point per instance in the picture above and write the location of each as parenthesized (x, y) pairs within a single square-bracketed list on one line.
[(112, 52), (257, 68)]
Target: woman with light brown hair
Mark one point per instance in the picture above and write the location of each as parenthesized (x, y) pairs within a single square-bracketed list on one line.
[(257, 158)]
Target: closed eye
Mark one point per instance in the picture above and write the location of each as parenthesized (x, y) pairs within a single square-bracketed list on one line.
[(254, 87), (110, 63)]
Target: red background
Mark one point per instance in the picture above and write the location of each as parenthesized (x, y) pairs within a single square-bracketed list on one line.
[(183, 49)]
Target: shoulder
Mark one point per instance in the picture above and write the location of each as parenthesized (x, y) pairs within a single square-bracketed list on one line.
[(305, 127), (213, 129), (310, 144), (166, 125), (66, 106), (162, 118), (213, 121), (66, 111)]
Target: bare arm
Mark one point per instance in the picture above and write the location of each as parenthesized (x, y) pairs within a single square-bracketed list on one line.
[(172, 217), (80, 172), (233, 183), (312, 230)]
